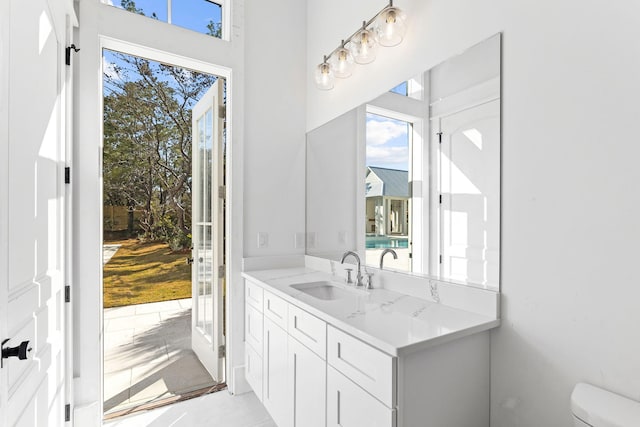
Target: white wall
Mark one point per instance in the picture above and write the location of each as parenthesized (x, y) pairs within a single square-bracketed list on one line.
[(275, 125), (569, 202)]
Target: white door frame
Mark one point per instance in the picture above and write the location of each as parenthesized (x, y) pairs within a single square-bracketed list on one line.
[(4, 183), (180, 61), (103, 24)]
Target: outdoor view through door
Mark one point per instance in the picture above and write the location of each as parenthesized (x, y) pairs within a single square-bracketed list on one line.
[(163, 227)]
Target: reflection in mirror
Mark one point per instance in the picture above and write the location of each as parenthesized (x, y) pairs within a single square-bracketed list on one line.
[(416, 170), (387, 190)]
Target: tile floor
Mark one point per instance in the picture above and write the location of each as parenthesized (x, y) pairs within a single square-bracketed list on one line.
[(148, 356), (213, 410)]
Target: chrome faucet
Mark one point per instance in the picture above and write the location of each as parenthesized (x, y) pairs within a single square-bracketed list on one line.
[(387, 251), (359, 273)]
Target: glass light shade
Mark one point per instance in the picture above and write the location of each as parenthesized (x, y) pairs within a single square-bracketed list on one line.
[(390, 26), (364, 46), (342, 63), (324, 76)]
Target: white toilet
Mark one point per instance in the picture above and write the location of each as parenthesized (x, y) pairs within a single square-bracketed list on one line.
[(595, 407)]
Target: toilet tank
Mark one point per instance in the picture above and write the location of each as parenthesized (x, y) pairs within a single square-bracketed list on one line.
[(596, 407)]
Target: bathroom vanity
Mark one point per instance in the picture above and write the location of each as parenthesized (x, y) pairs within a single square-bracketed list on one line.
[(414, 351), (322, 353)]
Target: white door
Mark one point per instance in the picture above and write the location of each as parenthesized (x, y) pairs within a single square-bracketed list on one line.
[(207, 232), (32, 214), (470, 189)]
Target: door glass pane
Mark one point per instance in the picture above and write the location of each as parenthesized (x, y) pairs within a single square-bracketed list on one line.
[(208, 137), (201, 224)]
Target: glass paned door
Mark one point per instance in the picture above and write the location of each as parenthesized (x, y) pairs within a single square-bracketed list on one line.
[(208, 211)]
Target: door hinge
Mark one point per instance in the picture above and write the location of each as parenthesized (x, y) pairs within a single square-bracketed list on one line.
[(439, 137), (221, 269), (67, 175), (67, 55), (67, 293), (440, 259), (222, 112), (222, 351), (440, 199), (222, 192), (410, 255), (67, 412)]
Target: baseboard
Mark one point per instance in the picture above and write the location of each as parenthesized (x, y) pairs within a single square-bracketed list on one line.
[(87, 415), (240, 384)]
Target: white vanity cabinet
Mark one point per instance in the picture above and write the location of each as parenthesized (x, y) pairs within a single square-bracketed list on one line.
[(276, 395), (292, 383), (348, 405), (308, 372), (314, 374), (253, 332)]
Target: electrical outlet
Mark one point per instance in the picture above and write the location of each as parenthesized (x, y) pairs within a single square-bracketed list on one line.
[(263, 239)]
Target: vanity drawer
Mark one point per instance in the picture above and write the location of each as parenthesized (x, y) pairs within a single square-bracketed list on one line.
[(309, 330), (253, 370), (350, 406), (253, 322), (367, 366), (275, 308), (253, 295)]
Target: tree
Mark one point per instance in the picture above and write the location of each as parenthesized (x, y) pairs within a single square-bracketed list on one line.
[(147, 143)]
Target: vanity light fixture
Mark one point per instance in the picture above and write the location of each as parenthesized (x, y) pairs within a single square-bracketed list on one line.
[(342, 62), (386, 28), (364, 45), (324, 76)]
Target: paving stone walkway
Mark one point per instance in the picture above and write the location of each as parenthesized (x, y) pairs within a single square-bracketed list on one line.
[(148, 356), (108, 251)]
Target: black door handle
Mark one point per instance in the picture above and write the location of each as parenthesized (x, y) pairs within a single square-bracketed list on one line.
[(21, 352)]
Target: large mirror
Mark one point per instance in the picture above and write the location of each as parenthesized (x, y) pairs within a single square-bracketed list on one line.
[(415, 170)]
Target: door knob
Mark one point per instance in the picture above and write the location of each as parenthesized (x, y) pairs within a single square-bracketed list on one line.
[(21, 352), (189, 261)]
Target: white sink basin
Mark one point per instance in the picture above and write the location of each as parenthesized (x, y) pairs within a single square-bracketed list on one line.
[(323, 290)]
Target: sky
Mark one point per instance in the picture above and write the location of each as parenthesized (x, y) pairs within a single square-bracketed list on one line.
[(387, 142), (191, 14)]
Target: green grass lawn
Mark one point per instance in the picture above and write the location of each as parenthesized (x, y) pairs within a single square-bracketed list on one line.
[(145, 272)]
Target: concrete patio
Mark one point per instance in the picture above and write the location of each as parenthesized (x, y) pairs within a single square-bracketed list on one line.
[(148, 356)]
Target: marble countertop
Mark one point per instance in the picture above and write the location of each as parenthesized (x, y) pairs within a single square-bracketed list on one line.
[(393, 322)]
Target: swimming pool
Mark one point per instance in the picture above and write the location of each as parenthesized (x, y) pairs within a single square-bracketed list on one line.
[(382, 242)]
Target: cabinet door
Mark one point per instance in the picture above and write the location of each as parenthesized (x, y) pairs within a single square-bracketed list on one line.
[(253, 370), (308, 373), (276, 389), (348, 405), (253, 328)]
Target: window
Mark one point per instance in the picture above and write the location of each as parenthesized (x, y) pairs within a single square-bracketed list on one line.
[(412, 88), (401, 89), (203, 16)]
